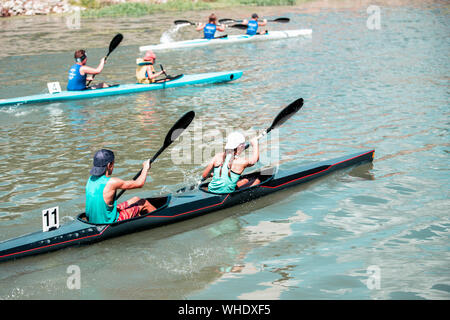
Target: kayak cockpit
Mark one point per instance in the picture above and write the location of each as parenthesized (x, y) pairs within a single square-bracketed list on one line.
[(263, 176), (158, 202)]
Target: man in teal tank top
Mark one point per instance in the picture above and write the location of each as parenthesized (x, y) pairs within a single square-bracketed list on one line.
[(227, 166), (101, 203)]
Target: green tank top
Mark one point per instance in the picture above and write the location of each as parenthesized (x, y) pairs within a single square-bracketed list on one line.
[(222, 183), (97, 211)]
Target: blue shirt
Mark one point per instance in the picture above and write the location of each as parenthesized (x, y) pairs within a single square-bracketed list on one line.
[(252, 27), (209, 30), (76, 80)]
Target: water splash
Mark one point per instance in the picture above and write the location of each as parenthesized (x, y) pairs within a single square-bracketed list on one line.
[(169, 35)]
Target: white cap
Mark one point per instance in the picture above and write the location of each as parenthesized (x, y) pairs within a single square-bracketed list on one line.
[(234, 139)]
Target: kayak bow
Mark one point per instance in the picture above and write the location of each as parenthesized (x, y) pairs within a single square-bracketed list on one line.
[(201, 78), (173, 208)]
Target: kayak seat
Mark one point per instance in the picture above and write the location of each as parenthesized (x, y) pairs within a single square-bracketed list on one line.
[(157, 202)]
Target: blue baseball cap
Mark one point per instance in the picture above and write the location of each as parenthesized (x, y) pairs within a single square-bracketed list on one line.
[(101, 159)]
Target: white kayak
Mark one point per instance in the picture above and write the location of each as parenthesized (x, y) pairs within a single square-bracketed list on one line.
[(271, 35)]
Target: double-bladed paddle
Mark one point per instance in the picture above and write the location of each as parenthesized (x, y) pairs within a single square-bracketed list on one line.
[(171, 136), (281, 118), (184, 22), (112, 46), (281, 20)]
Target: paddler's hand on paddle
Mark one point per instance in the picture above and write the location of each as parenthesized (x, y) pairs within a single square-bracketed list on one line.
[(255, 155), (146, 166), (254, 141)]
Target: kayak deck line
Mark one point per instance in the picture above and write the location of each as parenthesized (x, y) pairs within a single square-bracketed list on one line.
[(180, 214), (323, 170), (192, 79), (173, 208), (270, 35), (54, 244)]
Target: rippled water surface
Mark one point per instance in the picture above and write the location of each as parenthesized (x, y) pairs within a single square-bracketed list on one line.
[(385, 89)]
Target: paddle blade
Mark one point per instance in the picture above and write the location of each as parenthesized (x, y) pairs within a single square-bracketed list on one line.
[(286, 113), (239, 26), (226, 20), (179, 127), (282, 20), (115, 42), (183, 22)]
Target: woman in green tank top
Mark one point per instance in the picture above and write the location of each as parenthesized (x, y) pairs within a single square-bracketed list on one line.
[(227, 166)]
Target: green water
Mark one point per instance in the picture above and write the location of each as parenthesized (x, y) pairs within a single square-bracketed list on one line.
[(385, 89)]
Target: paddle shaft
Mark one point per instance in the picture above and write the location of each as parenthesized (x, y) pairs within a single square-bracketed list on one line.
[(282, 20), (93, 76), (112, 46), (171, 136)]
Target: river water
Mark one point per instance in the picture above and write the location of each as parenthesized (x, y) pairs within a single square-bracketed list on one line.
[(377, 231)]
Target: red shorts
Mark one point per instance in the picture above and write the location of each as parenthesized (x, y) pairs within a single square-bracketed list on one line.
[(126, 211)]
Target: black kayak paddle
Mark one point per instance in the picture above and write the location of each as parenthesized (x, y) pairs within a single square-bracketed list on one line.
[(282, 117), (171, 136), (239, 26), (112, 46), (281, 20), (184, 22)]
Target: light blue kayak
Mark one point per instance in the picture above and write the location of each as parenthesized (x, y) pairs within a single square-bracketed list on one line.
[(201, 78)]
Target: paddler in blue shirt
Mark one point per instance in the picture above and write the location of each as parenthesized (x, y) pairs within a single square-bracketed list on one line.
[(101, 203), (253, 24), (79, 71), (209, 29), (228, 166)]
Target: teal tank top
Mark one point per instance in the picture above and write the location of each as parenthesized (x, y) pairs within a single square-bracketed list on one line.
[(222, 183), (97, 211)]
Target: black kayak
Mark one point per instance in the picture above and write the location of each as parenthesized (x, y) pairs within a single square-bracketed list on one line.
[(173, 208)]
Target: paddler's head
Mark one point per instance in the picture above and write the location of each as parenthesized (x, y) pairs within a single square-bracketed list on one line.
[(150, 56), (255, 16), (80, 57), (103, 163), (212, 18), (236, 142)]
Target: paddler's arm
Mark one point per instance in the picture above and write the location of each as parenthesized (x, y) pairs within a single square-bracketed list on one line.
[(255, 156), (89, 70), (116, 183), (200, 26), (262, 23), (207, 172), (221, 27), (153, 75)]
